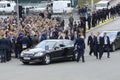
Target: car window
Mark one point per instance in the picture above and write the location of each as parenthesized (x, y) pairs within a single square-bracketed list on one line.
[(42, 44), (58, 44), (118, 34), (2, 5), (68, 5), (8, 5), (68, 43)]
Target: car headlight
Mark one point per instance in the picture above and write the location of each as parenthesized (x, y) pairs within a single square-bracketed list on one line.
[(22, 53), (38, 54)]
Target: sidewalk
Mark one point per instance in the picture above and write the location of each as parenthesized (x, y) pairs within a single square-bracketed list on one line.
[(101, 24)]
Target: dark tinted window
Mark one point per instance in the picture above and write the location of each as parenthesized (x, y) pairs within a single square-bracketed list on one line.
[(68, 5), (8, 5), (68, 43), (58, 44), (118, 34)]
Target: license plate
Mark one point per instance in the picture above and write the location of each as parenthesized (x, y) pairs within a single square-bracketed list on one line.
[(26, 58)]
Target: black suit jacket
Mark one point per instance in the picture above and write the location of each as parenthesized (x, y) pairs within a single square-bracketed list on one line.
[(101, 42), (108, 41), (4, 44), (80, 42), (91, 41)]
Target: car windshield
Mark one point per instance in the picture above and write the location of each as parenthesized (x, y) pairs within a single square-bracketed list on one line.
[(42, 44), (42, 5), (101, 5)]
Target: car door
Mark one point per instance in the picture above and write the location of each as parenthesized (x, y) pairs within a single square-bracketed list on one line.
[(69, 48), (57, 52)]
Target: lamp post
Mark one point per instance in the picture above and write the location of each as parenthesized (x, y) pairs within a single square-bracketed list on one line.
[(92, 9), (92, 5), (18, 15)]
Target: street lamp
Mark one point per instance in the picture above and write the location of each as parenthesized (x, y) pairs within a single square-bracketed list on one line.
[(92, 8), (92, 5), (18, 15)]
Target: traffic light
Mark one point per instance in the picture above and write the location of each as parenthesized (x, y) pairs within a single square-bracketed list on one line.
[(20, 11)]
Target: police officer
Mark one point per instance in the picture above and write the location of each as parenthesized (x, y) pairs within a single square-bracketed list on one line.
[(80, 48), (18, 45)]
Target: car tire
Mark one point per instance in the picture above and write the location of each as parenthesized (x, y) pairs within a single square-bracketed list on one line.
[(25, 62), (12, 12), (113, 47), (75, 56), (46, 60), (3, 13)]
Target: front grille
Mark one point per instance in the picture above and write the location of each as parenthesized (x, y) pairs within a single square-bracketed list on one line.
[(28, 55)]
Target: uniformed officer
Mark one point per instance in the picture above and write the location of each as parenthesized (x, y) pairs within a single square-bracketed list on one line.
[(80, 48)]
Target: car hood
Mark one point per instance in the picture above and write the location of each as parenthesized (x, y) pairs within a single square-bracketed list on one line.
[(34, 50)]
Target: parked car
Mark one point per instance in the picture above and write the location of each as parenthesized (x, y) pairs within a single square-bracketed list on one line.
[(49, 50), (114, 39)]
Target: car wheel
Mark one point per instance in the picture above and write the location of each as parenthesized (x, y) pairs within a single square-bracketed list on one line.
[(75, 56), (25, 62), (46, 59), (3, 13), (12, 12), (113, 47)]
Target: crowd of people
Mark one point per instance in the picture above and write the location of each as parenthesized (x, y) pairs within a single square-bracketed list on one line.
[(33, 29), (98, 16)]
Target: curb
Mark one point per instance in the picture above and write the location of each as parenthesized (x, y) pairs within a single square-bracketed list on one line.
[(102, 24)]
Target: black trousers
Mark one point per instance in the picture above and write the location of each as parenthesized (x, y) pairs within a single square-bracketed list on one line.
[(108, 50), (99, 51), (80, 54), (92, 50)]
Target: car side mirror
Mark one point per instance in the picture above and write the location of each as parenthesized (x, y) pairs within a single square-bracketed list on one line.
[(56, 48)]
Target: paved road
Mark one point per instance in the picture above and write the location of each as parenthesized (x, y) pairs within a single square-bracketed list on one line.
[(92, 69)]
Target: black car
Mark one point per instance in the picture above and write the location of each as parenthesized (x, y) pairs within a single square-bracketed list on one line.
[(114, 39), (49, 50)]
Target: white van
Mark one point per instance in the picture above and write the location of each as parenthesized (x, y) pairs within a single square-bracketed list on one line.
[(7, 6), (103, 4), (62, 6)]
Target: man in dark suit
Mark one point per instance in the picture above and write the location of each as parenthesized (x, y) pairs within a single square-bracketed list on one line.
[(4, 47), (91, 43), (25, 42), (106, 46), (98, 46), (80, 48)]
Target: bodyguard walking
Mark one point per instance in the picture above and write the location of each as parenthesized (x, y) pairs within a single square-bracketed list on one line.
[(106, 46), (98, 46), (91, 43), (80, 48)]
